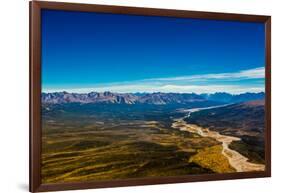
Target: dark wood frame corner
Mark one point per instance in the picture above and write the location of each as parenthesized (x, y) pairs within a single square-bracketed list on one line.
[(35, 93)]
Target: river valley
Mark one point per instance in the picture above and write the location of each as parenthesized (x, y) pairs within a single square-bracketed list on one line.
[(239, 162)]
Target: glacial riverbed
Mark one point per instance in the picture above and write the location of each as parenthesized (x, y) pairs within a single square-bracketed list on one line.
[(239, 162)]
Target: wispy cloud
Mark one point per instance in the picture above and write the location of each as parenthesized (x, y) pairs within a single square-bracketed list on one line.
[(165, 88), (244, 74), (251, 80)]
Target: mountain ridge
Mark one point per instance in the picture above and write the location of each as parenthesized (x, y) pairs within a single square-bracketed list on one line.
[(156, 98)]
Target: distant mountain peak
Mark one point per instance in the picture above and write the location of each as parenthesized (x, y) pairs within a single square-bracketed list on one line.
[(146, 98)]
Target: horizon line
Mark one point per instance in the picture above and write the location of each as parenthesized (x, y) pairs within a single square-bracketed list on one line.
[(64, 91), (250, 80)]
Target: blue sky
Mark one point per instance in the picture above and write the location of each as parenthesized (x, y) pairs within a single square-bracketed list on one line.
[(84, 52)]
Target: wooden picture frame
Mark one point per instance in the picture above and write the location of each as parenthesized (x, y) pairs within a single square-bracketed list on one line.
[(35, 94)]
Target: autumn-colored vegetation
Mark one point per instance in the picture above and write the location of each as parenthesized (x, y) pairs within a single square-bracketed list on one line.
[(213, 159)]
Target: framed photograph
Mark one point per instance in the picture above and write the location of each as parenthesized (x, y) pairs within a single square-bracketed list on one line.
[(123, 96)]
